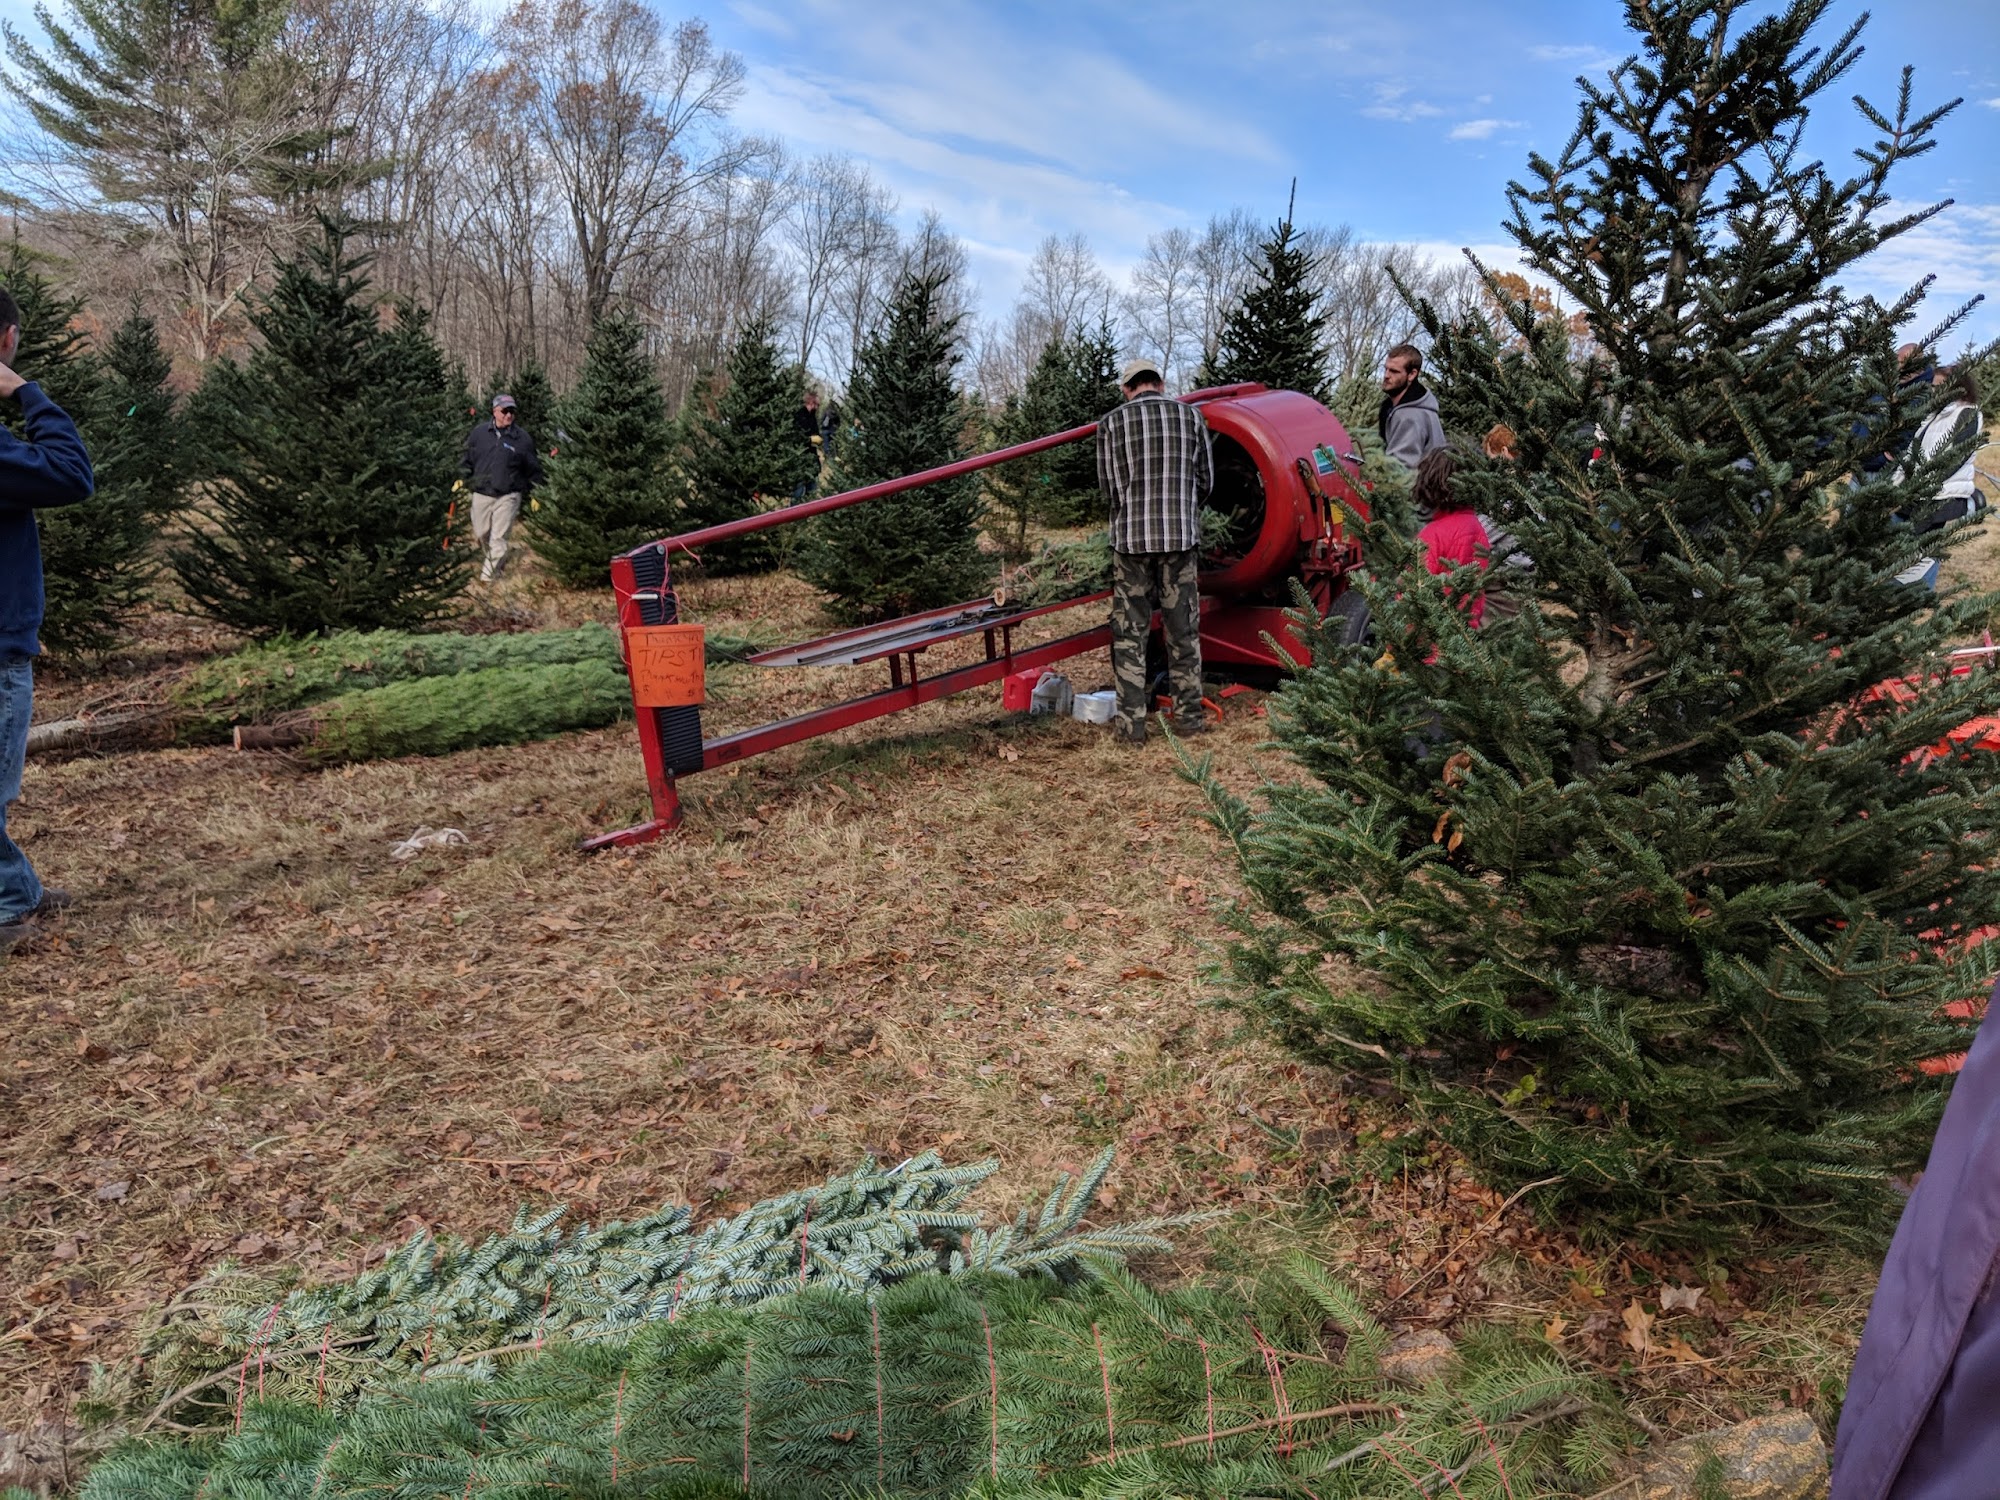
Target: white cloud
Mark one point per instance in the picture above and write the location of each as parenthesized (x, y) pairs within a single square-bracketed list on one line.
[(1991, 103), (1583, 57), (1960, 248), (1482, 130), (1391, 103)]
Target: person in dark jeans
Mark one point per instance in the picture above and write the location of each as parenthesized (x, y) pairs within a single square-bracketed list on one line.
[(806, 422), (49, 469), (1155, 466)]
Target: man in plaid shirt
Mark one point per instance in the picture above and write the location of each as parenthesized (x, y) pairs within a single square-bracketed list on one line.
[(1155, 467)]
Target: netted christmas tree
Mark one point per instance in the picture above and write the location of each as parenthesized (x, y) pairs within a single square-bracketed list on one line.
[(931, 1386), (741, 452), (1647, 895), (278, 676), (920, 549), (1074, 382), (97, 559), (608, 485), (327, 456), (1276, 335)]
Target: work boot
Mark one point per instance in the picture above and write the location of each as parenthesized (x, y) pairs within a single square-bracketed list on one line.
[(54, 899), (1193, 724), (1129, 731)]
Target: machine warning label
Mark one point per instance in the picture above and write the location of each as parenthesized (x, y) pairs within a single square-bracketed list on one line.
[(1323, 459)]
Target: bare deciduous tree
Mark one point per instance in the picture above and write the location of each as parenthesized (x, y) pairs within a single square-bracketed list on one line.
[(835, 224), (629, 121), (1159, 306), (1066, 288)]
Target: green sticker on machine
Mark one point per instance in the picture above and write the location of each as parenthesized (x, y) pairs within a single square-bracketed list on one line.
[(1323, 459)]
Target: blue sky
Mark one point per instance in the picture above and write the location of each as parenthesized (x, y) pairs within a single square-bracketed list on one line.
[(1404, 121), (1116, 119)]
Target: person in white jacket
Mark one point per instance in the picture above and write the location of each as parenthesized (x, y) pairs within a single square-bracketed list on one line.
[(1957, 424)]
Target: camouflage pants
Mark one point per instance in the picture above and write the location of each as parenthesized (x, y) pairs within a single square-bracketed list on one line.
[(1140, 583)]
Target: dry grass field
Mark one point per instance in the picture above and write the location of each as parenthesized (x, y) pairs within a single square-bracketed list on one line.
[(259, 1037)]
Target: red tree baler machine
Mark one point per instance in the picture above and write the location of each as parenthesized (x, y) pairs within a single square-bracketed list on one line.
[(1286, 477)]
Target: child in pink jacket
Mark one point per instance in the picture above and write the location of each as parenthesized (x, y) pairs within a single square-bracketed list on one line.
[(1453, 536)]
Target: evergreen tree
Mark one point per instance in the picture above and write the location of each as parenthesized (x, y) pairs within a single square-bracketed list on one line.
[(608, 488), (94, 555), (1277, 334), (1073, 383), (917, 550), (329, 457), (534, 401), (741, 453), (1642, 895)]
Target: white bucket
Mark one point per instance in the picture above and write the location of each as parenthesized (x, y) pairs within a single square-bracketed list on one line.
[(1096, 708)]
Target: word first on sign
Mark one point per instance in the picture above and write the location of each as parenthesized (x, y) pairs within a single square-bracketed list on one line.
[(667, 663)]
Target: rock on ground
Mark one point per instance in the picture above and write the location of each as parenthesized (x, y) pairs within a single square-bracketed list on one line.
[(1766, 1458)]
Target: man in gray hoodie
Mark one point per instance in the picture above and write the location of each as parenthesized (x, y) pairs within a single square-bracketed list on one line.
[(1408, 420)]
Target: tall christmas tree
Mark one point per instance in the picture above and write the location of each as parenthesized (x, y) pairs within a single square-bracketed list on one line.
[(917, 550), (742, 452), (1277, 334), (95, 555), (1075, 381), (328, 456), (1646, 896), (534, 400), (608, 487)]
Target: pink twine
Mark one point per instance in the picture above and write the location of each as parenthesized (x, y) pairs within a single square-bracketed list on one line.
[(875, 1322), (992, 1388), (325, 1343), (243, 1370), (1494, 1448), (617, 1417), (1208, 1387), (1104, 1370), (473, 1472), (1280, 1402), (748, 1348)]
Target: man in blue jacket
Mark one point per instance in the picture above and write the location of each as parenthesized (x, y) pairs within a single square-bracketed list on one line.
[(49, 469)]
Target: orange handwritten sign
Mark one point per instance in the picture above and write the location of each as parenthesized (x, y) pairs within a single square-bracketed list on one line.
[(667, 665)]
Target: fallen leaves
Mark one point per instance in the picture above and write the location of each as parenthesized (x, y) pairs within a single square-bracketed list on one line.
[(1638, 1334)]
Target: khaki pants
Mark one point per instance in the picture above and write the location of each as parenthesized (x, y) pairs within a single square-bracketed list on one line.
[(492, 518)]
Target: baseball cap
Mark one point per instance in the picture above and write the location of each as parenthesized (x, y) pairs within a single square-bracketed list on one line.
[(503, 402), (1137, 368)]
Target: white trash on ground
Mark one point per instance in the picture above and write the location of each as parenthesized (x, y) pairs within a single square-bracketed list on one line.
[(427, 837)]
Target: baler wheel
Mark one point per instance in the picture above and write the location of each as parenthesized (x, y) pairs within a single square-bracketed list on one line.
[(1347, 618)]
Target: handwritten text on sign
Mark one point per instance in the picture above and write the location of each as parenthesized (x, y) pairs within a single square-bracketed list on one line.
[(666, 662)]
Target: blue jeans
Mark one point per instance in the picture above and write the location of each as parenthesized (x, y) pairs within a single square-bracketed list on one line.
[(20, 891)]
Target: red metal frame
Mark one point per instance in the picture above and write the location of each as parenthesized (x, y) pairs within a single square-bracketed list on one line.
[(1233, 634)]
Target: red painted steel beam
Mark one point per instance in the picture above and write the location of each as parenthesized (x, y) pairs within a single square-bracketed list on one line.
[(837, 716), (690, 540)]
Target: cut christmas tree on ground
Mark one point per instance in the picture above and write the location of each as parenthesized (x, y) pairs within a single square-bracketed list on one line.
[(441, 715), (934, 1387)]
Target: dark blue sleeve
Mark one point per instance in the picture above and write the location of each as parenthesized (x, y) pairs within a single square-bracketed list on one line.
[(50, 468)]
